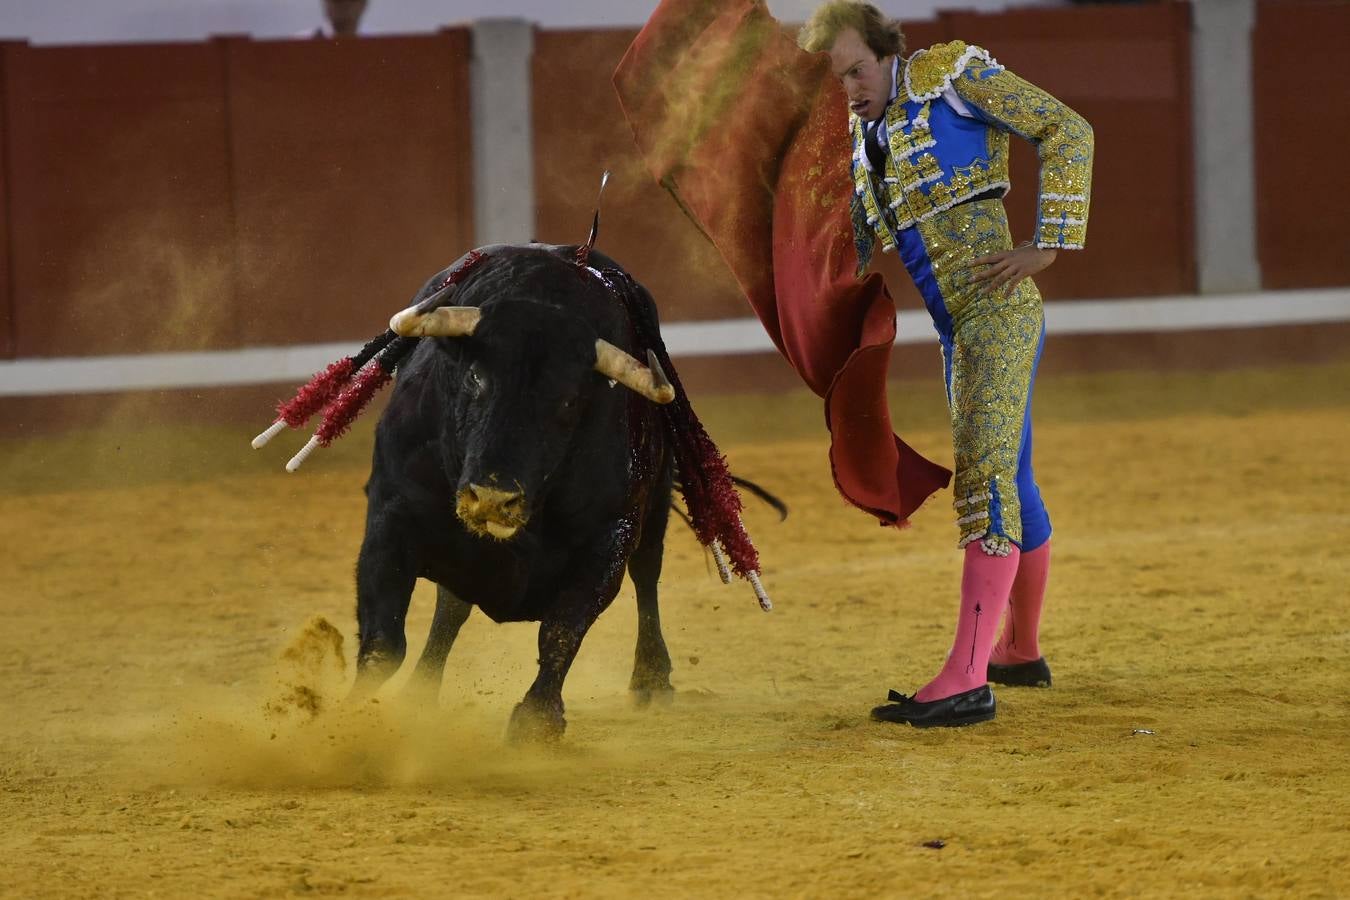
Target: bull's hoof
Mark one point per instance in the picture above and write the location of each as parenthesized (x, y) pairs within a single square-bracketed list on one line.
[(423, 690), (365, 686), (375, 664), (645, 699), (649, 687), (533, 722)]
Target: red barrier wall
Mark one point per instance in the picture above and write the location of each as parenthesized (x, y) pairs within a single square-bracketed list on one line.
[(235, 192), (238, 192), (352, 168), (6, 269), (119, 196), (1126, 69), (1118, 66), (1301, 105), (579, 132)]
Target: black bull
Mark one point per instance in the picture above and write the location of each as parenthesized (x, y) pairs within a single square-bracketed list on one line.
[(519, 479)]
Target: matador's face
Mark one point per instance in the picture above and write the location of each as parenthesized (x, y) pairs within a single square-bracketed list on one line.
[(866, 78)]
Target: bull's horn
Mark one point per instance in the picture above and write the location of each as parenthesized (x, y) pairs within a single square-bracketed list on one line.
[(648, 380), (447, 321)]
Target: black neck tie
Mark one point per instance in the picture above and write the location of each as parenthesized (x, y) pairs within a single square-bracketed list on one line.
[(876, 154)]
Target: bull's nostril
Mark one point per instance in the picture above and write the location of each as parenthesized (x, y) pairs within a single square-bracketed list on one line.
[(490, 502)]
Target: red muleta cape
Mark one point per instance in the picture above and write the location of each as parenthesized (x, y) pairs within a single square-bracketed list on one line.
[(749, 134)]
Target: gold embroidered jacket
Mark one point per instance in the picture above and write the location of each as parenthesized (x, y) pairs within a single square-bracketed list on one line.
[(947, 132)]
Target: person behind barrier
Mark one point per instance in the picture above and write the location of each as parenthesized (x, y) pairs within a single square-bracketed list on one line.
[(344, 18)]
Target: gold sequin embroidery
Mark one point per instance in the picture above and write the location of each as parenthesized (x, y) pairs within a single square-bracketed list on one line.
[(995, 339), (1063, 140), (913, 187)]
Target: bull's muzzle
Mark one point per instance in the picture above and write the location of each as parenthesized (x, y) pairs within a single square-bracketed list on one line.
[(491, 512)]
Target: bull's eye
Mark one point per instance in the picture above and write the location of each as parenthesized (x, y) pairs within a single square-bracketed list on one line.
[(569, 409), (473, 382)]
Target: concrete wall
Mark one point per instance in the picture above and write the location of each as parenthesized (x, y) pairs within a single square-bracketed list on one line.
[(1225, 170)]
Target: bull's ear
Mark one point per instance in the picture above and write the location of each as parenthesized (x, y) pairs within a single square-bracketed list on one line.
[(447, 321), (648, 380)]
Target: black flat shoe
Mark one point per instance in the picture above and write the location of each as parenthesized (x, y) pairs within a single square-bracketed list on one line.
[(1028, 674), (959, 709)]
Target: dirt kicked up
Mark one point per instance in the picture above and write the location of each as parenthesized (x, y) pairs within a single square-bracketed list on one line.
[(178, 631)]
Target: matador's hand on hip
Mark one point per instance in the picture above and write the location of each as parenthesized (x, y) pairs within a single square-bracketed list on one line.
[(1005, 270)]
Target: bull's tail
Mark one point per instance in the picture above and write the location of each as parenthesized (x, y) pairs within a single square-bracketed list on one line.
[(772, 500)]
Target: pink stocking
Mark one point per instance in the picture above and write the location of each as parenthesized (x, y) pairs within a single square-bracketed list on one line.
[(985, 583), (1021, 633)]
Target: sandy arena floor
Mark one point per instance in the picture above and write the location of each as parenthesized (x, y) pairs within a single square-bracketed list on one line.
[(1196, 742)]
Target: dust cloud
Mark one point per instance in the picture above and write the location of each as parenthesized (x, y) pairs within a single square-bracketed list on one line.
[(293, 730)]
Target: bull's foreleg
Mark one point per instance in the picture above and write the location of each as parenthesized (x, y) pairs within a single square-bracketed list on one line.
[(651, 659), (384, 584), (451, 614), (539, 717)]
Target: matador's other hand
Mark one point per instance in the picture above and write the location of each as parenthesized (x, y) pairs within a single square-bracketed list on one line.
[(1006, 270)]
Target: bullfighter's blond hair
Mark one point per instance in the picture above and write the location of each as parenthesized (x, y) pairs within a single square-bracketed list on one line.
[(882, 34)]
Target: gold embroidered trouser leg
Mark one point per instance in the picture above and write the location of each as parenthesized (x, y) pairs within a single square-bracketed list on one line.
[(990, 342)]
